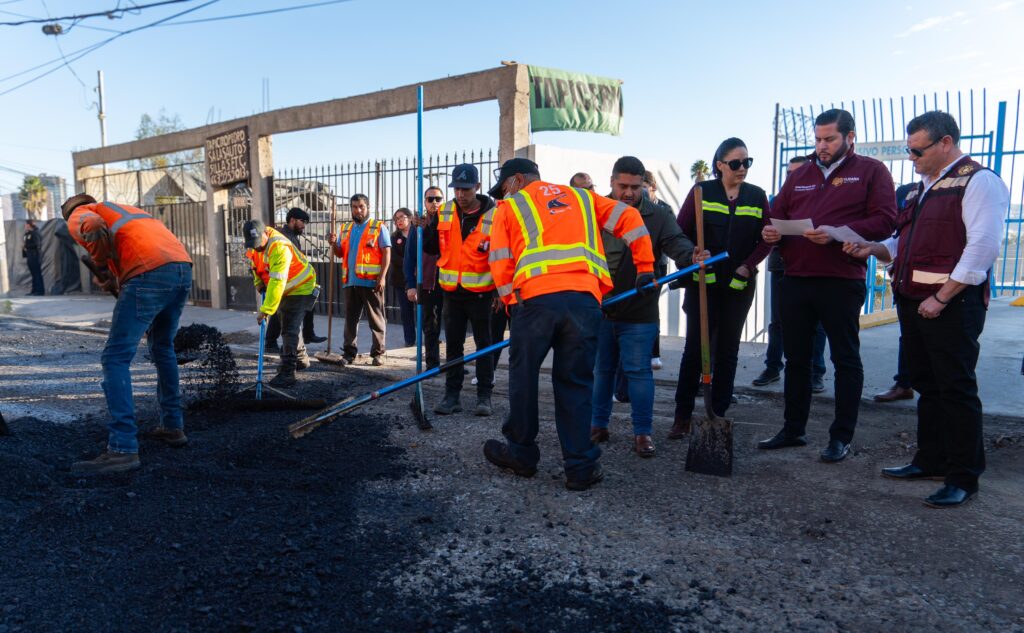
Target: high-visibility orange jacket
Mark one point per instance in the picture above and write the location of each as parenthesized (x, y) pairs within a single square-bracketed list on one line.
[(464, 262), (369, 256), (546, 239), (282, 269), (125, 240)]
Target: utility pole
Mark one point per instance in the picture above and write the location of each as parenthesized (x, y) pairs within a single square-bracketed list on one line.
[(103, 125)]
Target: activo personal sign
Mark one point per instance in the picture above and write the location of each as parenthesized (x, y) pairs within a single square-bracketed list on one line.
[(227, 157)]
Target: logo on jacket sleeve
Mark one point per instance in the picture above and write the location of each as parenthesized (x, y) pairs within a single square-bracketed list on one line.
[(966, 169)]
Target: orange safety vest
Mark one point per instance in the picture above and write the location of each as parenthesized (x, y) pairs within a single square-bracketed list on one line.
[(464, 262), (369, 258), (546, 239), (126, 239)]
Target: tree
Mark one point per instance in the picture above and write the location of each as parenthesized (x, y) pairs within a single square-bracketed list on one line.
[(163, 124), (33, 196), (699, 171)]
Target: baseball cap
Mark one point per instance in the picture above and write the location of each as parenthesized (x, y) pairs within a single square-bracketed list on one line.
[(511, 167), (297, 214), (465, 176), (252, 232)]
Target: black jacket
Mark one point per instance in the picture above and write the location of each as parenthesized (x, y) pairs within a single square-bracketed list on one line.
[(667, 239)]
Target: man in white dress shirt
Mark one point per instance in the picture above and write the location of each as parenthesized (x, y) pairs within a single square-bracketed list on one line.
[(947, 238)]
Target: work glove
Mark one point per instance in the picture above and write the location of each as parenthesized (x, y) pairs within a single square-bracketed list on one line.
[(644, 279)]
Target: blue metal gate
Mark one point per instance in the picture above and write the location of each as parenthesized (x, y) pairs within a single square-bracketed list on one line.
[(989, 133)]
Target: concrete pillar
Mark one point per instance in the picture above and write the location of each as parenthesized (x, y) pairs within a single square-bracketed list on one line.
[(216, 207), (261, 169), (514, 113)]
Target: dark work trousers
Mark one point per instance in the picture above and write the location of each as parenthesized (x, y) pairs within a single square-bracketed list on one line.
[(433, 304), (568, 323), (35, 267), (274, 326), (773, 357), (358, 298), (836, 304), (727, 312), (460, 311), (902, 377), (942, 354), (499, 322), (408, 312), (291, 311)]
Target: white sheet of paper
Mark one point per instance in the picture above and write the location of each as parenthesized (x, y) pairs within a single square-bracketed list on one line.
[(842, 234), (793, 227)]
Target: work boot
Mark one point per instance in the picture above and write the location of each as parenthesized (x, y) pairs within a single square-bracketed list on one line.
[(483, 405), (377, 361), (450, 404), (108, 462), (284, 378), (303, 363), (767, 377), (171, 437), (497, 452)]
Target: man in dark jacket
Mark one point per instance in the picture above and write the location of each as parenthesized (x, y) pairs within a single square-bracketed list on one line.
[(30, 251), (429, 294), (630, 328), (295, 225)]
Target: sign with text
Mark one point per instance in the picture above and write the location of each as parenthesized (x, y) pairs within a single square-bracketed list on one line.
[(562, 100), (886, 150), (227, 157)]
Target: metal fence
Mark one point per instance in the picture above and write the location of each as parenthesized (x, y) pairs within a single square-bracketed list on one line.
[(990, 133), (389, 185)]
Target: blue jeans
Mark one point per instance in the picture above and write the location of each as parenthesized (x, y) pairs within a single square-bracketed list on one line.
[(149, 304), (632, 343), (566, 322)]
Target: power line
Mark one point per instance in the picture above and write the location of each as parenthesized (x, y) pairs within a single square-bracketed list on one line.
[(246, 15), (110, 13), (98, 45)]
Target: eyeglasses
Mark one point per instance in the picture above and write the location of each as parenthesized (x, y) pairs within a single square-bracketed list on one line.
[(919, 151), (735, 164), (434, 198)]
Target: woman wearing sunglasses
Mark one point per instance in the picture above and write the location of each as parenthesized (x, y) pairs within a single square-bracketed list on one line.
[(734, 213)]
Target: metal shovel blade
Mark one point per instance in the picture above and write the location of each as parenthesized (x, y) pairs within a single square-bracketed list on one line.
[(419, 411), (710, 451)]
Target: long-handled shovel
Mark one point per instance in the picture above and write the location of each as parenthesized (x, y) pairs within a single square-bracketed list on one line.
[(326, 356), (419, 409), (710, 451), (307, 425)]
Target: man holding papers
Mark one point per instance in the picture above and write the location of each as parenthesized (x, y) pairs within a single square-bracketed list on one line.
[(838, 190), (947, 239)]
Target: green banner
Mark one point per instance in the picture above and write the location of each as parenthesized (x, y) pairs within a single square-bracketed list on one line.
[(562, 100)]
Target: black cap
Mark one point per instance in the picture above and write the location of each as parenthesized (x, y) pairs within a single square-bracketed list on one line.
[(297, 214), (252, 232), (465, 176), (511, 167)]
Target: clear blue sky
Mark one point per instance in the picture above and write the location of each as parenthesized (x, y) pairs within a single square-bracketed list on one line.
[(694, 73)]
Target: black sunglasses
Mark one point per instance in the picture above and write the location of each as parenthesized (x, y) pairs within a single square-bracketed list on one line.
[(434, 198), (736, 163), (919, 151)]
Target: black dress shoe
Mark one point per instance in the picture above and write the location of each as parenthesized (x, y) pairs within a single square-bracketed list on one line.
[(836, 451), (316, 339), (498, 454), (580, 485), (948, 497), (910, 472), (781, 440)]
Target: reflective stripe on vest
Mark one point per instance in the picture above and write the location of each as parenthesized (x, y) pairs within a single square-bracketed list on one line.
[(708, 277), (714, 207), (536, 258), (304, 275), (738, 284), (754, 212), (126, 217)]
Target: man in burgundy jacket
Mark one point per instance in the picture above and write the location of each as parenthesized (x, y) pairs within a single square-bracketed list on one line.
[(822, 283)]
